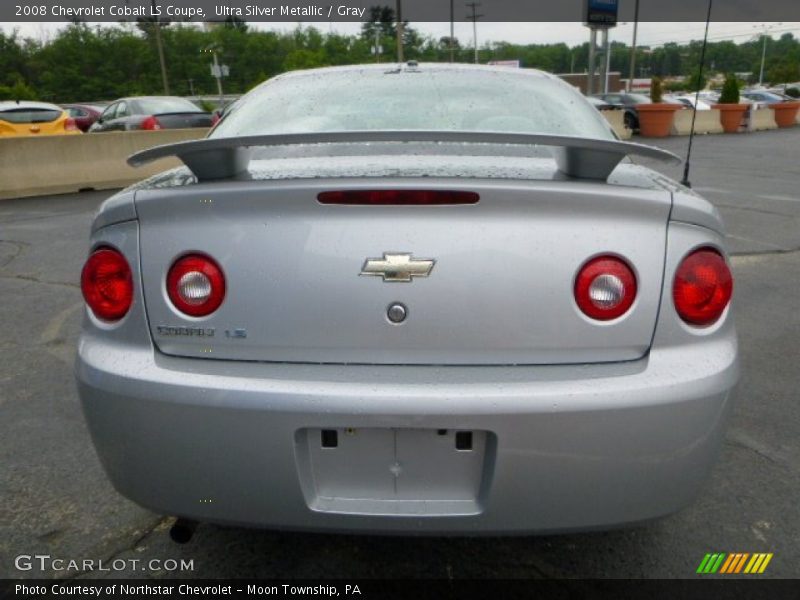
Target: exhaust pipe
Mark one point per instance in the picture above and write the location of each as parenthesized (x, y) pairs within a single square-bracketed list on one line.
[(182, 531)]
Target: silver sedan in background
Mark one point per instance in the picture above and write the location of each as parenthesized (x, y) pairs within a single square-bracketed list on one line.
[(417, 298)]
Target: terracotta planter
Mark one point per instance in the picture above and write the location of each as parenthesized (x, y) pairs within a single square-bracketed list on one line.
[(730, 115), (785, 113), (655, 120)]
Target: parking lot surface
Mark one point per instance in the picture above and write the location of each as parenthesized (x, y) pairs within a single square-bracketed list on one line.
[(57, 501)]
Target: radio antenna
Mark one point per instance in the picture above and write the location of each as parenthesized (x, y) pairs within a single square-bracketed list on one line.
[(685, 181)]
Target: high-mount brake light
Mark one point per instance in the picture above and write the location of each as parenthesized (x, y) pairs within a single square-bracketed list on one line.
[(605, 288), (702, 287), (398, 197), (196, 285), (107, 284)]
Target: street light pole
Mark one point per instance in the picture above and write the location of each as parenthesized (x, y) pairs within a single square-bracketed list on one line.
[(632, 71), (764, 33)]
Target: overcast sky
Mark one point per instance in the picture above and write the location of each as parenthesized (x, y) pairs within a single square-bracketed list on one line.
[(520, 33)]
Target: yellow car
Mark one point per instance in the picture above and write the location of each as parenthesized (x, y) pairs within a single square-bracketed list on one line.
[(35, 118)]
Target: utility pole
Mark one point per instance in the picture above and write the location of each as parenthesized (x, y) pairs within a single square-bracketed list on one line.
[(452, 33), (632, 71), (376, 49), (399, 31), (218, 71), (473, 16), (160, 47), (764, 34)]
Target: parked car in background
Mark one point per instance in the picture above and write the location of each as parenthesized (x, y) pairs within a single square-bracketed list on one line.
[(689, 101), (627, 101), (425, 298), (84, 114), (23, 117), (763, 96), (151, 113)]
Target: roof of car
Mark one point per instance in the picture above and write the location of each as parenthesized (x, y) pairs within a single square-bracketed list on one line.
[(131, 98), (13, 104), (412, 65)]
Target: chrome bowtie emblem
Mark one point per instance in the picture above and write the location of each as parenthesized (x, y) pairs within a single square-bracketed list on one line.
[(397, 267)]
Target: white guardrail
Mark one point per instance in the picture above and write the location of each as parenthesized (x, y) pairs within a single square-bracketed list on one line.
[(61, 164)]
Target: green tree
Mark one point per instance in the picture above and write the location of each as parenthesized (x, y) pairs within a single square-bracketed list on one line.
[(730, 90)]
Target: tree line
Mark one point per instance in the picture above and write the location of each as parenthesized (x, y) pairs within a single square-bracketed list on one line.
[(84, 63)]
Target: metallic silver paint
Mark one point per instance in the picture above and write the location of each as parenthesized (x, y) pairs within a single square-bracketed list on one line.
[(574, 446), (505, 267), (574, 424), (224, 158)]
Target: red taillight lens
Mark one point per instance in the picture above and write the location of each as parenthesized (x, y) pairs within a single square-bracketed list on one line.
[(70, 125), (151, 124), (107, 284), (605, 288), (196, 285), (702, 287), (397, 197)]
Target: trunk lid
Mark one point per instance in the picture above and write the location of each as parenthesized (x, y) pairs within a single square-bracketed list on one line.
[(500, 290), (183, 120)]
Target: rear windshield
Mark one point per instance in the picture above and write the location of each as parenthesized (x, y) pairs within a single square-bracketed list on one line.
[(155, 106), (29, 115), (432, 99)]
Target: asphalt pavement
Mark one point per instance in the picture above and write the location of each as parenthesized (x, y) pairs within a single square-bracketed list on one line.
[(55, 499)]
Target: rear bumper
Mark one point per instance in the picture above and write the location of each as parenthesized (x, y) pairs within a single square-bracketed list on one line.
[(568, 447)]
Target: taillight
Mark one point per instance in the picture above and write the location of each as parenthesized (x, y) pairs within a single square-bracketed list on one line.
[(70, 125), (397, 197), (605, 288), (196, 285), (702, 287), (107, 284), (151, 124)]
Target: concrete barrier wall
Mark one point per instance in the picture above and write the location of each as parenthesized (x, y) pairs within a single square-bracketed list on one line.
[(60, 164), (762, 119), (707, 121), (616, 119)]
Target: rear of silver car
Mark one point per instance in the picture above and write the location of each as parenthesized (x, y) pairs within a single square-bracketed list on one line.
[(496, 406), (491, 403)]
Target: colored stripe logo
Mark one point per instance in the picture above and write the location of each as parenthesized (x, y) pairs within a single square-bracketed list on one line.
[(737, 562)]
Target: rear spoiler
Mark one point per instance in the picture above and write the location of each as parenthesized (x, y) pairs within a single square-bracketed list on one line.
[(223, 158)]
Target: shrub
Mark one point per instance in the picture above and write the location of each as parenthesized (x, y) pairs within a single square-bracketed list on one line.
[(656, 90), (730, 91)]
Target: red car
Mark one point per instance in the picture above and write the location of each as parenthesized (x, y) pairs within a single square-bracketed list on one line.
[(84, 114)]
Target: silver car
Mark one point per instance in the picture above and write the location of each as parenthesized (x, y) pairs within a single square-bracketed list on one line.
[(416, 298)]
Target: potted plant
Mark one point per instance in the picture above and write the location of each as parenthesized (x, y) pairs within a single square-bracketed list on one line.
[(655, 119), (785, 112), (730, 111)]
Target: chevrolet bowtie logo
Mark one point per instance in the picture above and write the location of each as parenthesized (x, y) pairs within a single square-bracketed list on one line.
[(397, 267)]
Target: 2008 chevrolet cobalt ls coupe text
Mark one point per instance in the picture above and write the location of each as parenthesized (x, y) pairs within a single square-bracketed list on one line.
[(426, 298)]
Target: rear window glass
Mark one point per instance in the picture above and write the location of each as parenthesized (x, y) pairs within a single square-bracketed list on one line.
[(427, 99), (29, 115), (154, 106)]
